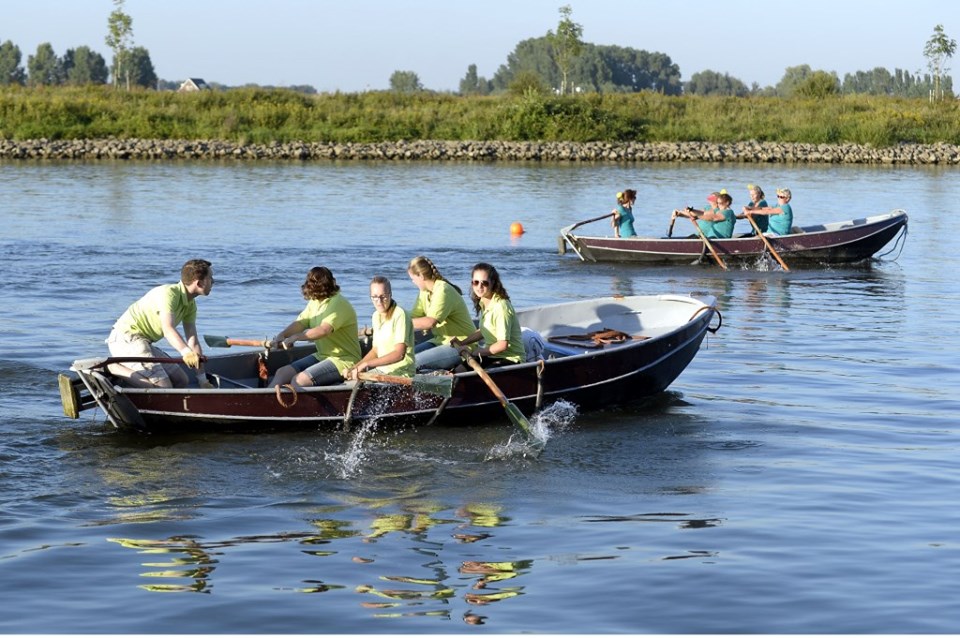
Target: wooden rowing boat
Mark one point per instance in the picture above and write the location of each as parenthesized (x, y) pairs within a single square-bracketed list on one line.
[(659, 337), (838, 242)]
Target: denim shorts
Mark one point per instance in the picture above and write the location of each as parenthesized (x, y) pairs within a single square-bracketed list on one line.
[(321, 372)]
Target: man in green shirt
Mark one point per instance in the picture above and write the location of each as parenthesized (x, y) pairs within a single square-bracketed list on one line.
[(155, 316)]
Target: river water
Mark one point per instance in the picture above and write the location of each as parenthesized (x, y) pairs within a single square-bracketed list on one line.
[(799, 477)]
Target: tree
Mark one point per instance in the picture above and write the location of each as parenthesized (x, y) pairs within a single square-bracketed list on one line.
[(84, 66), (606, 69), (712, 83), (119, 39), (938, 50), (472, 84), (405, 82), (10, 70), (140, 68), (565, 45), (44, 67), (793, 77), (818, 84)]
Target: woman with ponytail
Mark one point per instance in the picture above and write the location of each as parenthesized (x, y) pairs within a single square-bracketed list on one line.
[(439, 308)]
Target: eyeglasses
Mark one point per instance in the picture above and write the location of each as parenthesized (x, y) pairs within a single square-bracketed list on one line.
[(379, 297), (481, 282)]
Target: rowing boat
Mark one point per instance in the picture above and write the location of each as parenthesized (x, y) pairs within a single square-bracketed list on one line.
[(656, 337), (834, 243)]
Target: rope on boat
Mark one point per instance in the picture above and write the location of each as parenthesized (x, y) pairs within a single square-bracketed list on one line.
[(348, 414), (541, 366), (713, 308), (280, 396), (898, 245), (443, 404)]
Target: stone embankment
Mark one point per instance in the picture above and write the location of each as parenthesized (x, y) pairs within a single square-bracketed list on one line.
[(746, 152)]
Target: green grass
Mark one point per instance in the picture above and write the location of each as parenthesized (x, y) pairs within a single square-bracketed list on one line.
[(263, 116)]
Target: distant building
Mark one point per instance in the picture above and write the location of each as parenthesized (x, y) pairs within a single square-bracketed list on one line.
[(193, 84)]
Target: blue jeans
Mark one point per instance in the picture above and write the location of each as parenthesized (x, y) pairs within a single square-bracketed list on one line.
[(322, 372), (430, 356)]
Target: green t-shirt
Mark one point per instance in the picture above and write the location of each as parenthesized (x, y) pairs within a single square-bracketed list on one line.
[(143, 316), (447, 306), (499, 322), (341, 346), (387, 333)]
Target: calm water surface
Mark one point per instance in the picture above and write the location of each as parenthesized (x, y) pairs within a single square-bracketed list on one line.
[(799, 477)]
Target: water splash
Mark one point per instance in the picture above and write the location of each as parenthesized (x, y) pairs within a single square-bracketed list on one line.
[(350, 462), (551, 420)]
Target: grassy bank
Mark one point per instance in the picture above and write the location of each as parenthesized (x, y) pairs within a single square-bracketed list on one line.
[(263, 116)]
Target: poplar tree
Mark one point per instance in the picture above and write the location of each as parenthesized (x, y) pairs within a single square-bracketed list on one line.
[(565, 44), (938, 50), (119, 39)]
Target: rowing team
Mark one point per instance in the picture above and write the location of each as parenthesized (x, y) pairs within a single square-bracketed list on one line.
[(717, 219), (330, 321)]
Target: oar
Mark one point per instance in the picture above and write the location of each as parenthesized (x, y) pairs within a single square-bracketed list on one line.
[(673, 220), (707, 243), (99, 362), (225, 342), (766, 243), (512, 411), (439, 385)]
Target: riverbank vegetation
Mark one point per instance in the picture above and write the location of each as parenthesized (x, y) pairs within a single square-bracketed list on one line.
[(276, 115)]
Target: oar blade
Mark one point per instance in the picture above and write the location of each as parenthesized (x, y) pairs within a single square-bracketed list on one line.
[(439, 385), (516, 416), (216, 342)]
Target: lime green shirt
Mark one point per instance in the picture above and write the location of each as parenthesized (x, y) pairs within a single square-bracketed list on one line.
[(447, 306), (498, 322), (387, 333), (143, 316), (341, 347)]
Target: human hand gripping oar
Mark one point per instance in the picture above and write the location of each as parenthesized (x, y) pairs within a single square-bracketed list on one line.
[(766, 242), (707, 243), (516, 416)]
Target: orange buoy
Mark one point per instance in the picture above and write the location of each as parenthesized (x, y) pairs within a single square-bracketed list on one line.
[(516, 228)]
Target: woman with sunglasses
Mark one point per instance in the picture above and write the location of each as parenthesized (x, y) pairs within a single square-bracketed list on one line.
[(780, 216), (499, 326), (328, 320), (439, 308), (392, 350)]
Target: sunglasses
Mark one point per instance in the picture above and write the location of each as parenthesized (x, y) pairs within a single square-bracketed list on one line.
[(481, 282), (781, 196)]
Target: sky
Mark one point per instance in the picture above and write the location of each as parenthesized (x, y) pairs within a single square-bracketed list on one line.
[(355, 45)]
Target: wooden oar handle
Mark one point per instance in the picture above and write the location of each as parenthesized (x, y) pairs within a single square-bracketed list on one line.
[(261, 343), (385, 378), (100, 363), (497, 392)]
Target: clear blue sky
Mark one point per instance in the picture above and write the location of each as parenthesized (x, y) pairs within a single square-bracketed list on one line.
[(355, 45)]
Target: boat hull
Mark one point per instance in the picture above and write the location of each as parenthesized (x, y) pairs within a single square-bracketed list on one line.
[(837, 243), (668, 333)]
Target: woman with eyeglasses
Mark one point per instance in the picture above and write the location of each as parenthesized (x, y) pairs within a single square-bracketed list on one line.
[(757, 202), (780, 216), (330, 321), (439, 308), (392, 350), (499, 326)]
